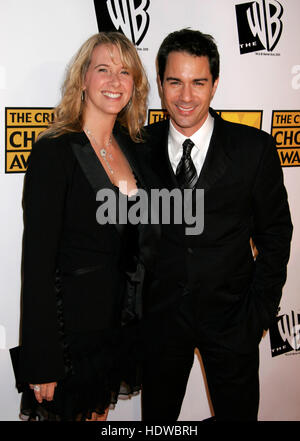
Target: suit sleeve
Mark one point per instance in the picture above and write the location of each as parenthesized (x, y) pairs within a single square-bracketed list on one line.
[(41, 357), (272, 233)]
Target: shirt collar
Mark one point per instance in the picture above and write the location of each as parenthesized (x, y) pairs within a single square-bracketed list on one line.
[(199, 138)]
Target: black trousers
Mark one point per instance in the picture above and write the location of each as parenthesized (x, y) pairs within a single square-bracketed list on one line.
[(232, 377)]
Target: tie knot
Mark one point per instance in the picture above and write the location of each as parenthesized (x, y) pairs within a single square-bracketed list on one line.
[(187, 147)]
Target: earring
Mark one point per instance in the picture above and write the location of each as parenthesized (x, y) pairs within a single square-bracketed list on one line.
[(82, 95)]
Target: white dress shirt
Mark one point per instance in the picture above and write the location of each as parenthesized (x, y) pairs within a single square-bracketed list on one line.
[(201, 139)]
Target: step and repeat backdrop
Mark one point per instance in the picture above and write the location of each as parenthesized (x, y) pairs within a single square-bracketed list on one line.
[(259, 85)]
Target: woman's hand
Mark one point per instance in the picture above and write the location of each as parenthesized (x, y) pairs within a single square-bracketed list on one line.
[(43, 391)]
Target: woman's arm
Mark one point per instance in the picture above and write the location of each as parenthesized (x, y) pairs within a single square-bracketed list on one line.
[(41, 357)]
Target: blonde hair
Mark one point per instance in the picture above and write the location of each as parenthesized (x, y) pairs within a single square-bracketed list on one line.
[(68, 115)]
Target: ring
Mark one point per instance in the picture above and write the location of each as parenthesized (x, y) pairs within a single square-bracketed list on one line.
[(37, 387)]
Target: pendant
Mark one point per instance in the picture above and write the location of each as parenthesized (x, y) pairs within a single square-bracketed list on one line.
[(103, 152)]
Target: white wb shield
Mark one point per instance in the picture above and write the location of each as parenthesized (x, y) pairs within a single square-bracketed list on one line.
[(264, 21), (131, 19), (289, 329)]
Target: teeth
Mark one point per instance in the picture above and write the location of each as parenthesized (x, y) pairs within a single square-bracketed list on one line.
[(111, 94), (185, 109)]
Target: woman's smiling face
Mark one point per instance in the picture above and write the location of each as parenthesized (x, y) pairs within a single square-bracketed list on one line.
[(108, 85)]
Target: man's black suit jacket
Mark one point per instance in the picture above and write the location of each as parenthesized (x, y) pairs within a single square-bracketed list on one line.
[(235, 295)]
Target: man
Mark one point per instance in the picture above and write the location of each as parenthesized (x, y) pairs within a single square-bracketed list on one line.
[(207, 291)]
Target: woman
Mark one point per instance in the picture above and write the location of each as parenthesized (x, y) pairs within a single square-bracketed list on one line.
[(74, 353)]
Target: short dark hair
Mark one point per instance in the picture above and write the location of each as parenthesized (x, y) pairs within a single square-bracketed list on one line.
[(194, 43)]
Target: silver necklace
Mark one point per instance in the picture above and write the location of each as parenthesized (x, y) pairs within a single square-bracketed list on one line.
[(103, 152)]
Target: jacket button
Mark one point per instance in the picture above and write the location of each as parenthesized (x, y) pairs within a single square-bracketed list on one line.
[(190, 250)]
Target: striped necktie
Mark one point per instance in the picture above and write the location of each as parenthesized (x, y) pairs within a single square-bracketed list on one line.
[(186, 172)]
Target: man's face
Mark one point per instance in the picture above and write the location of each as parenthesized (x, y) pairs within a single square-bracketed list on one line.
[(187, 90)]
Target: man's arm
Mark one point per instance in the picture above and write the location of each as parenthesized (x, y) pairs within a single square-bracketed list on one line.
[(272, 233)]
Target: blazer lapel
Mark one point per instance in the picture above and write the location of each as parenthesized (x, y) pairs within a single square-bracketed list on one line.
[(125, 144), (92, 167), (149, 234), (90, 164)]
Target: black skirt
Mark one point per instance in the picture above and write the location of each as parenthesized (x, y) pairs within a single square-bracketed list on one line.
[(102, 367)]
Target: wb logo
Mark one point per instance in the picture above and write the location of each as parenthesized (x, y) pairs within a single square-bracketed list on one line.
[(127, 16), (285, 334), (259, 25)]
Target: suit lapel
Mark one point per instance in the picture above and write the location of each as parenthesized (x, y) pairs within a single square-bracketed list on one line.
[(160, 158), (216, 160)]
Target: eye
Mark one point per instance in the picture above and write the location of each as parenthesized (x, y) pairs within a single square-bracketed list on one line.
[(125, 72), (102, 69), (200, 82)]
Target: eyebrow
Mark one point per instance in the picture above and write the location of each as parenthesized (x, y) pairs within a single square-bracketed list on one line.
[(101, 64), (178, 79), (108, 65)]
